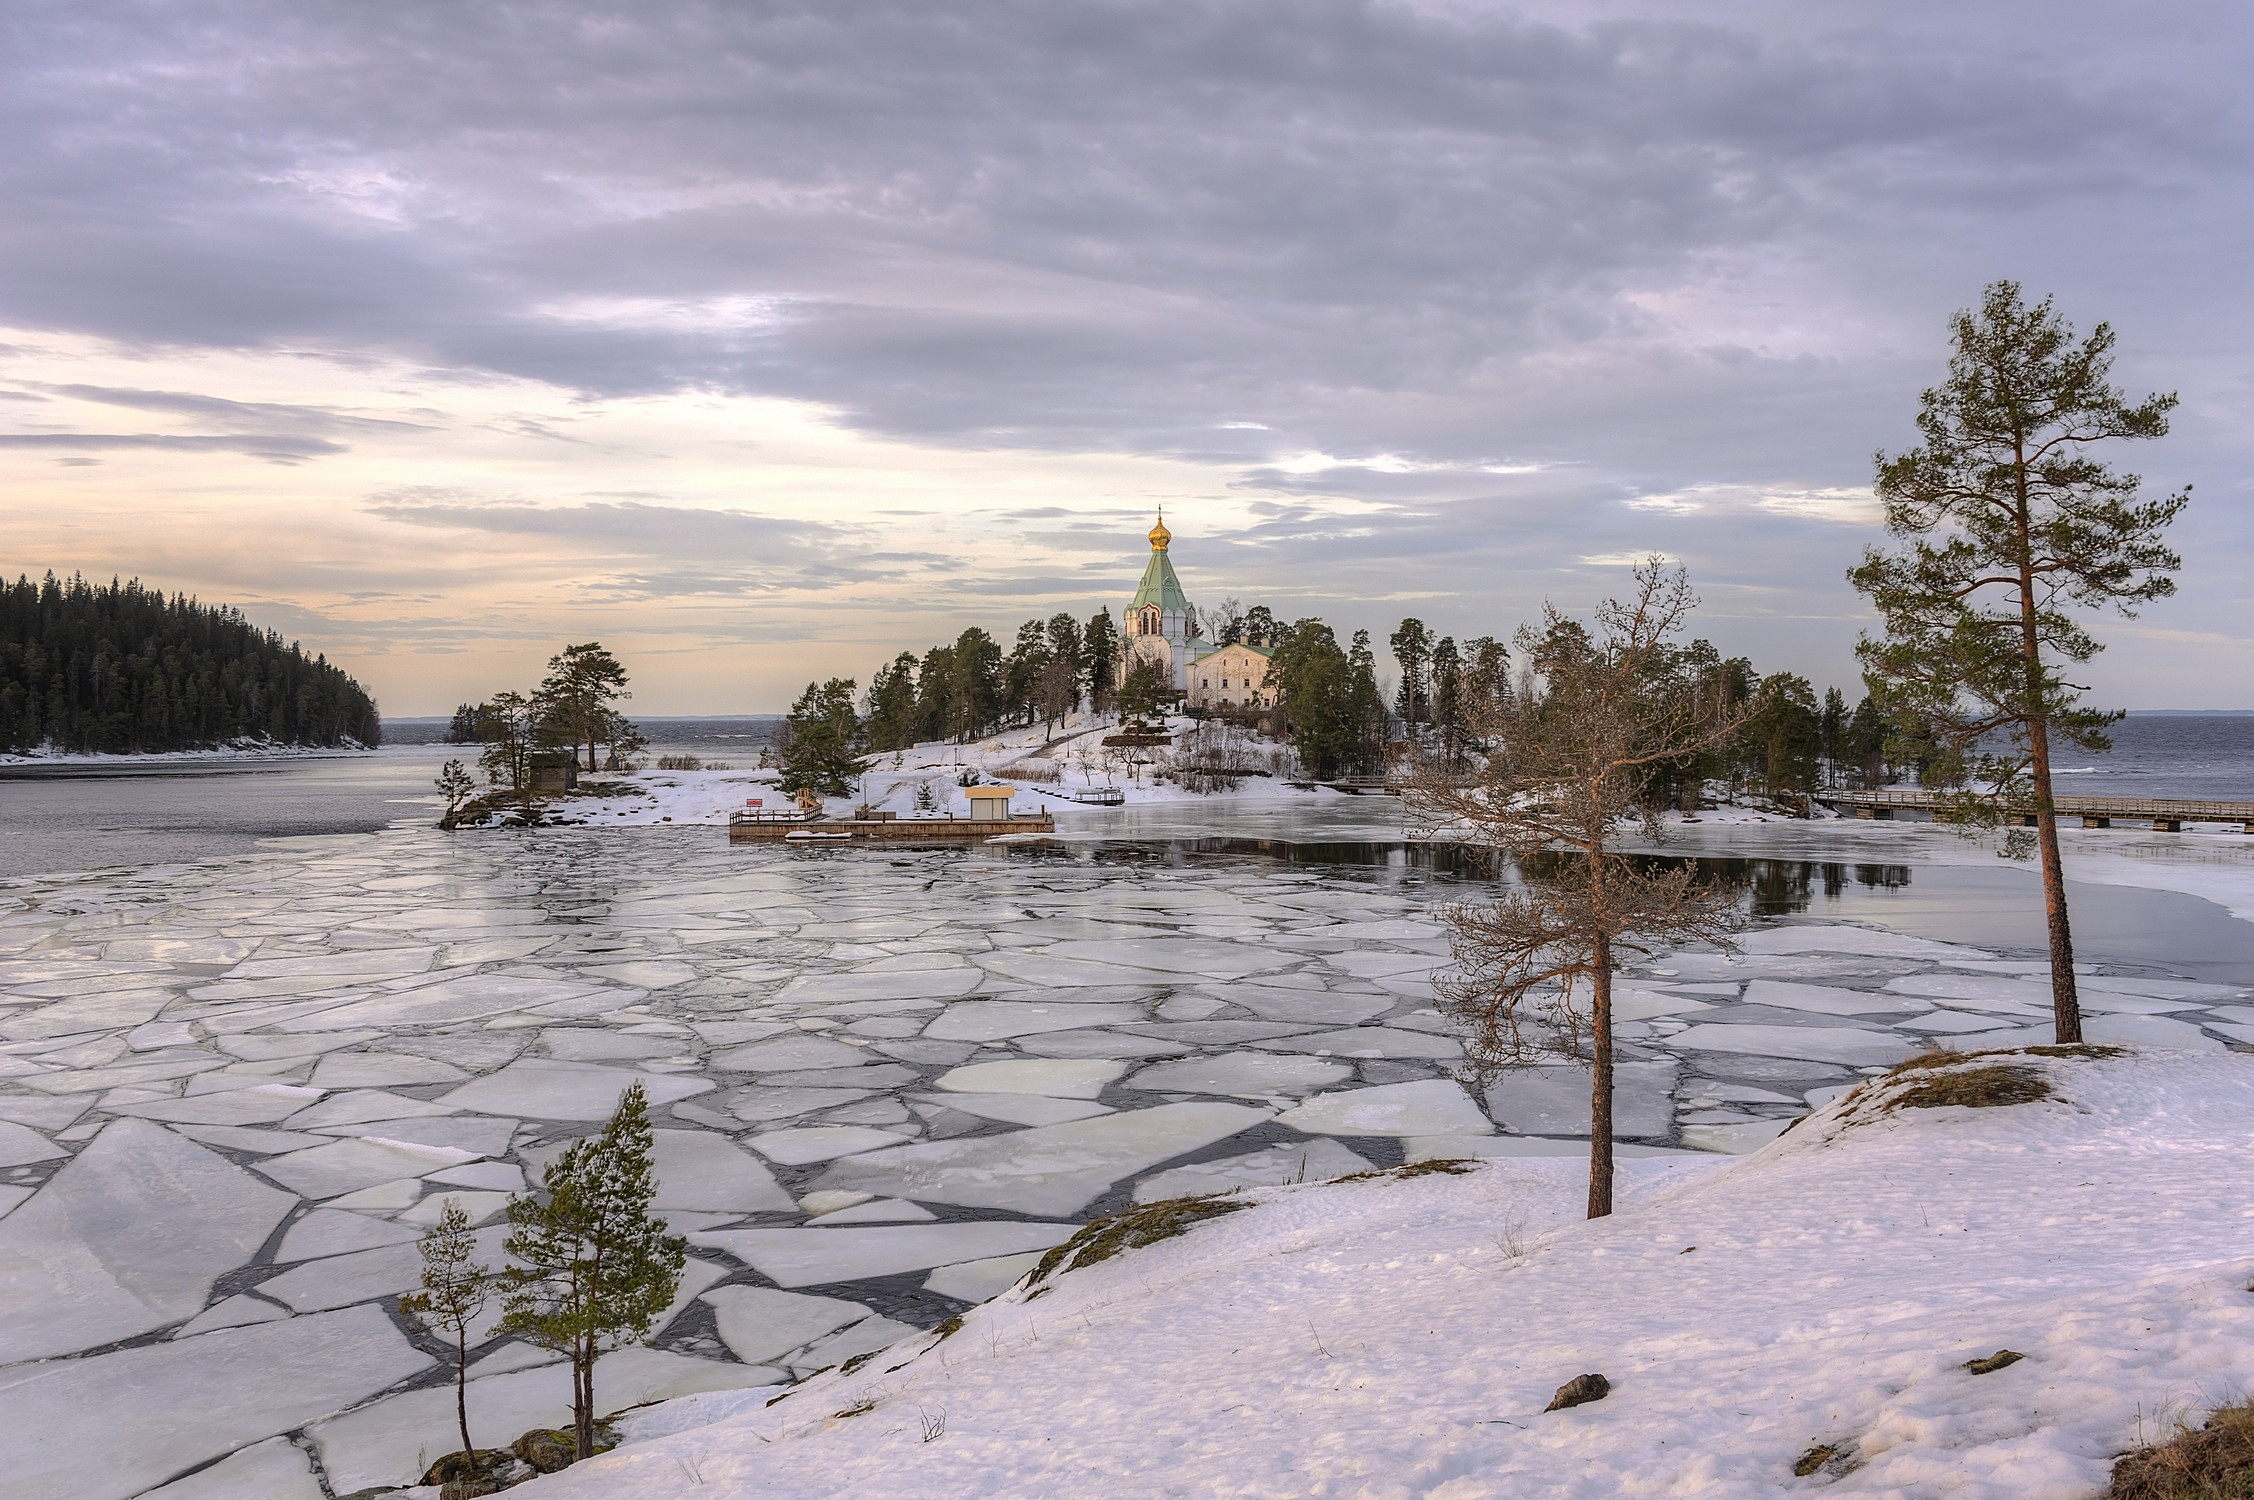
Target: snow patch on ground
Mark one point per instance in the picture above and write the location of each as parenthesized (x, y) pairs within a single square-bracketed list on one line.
[(1395, 1336)]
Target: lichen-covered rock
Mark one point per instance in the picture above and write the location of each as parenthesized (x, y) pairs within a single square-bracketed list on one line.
[(546, 1449)]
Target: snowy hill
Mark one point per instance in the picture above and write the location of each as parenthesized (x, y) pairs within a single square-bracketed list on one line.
[(1401, 1335)]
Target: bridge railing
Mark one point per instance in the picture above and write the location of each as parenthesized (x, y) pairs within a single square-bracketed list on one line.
[(2154, 809)]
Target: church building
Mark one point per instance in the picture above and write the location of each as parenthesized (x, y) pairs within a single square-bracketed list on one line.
[(1162, 626)]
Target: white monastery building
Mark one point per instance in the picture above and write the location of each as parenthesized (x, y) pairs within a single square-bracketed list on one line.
[(1162, 626)]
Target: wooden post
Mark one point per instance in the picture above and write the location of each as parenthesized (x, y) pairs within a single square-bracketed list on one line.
[(2167, 825), (2097, 822)]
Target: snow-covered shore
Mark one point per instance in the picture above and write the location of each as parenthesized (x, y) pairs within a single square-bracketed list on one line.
[(1401, 1336), (2212, 861), (240, 750)]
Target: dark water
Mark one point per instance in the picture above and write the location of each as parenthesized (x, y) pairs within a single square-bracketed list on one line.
[(66, 817), (1999, 909), (2207, 756), (2002, 909)]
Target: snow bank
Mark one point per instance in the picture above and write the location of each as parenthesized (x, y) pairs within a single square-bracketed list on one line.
[(1400, 1336), (926, 778)]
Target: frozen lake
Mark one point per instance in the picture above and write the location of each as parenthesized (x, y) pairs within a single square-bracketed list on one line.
[(232, 1093)]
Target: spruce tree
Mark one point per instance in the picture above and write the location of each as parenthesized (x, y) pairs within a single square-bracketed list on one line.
[(593, 1269), (2009, 524)]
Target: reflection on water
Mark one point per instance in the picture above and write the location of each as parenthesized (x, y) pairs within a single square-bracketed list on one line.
[(1999, 908)]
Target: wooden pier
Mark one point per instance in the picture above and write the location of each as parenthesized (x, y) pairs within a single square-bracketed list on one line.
[(2165, 814), (754, 828)]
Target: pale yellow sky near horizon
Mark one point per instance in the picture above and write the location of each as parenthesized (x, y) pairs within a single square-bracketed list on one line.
[(440, 534), (743, 545)]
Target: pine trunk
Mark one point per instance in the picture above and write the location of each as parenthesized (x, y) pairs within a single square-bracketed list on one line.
[(461, 1390), (1600, 1083), (2066, 1003), (583, 1401)]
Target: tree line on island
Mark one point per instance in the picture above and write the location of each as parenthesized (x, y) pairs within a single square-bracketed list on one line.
[(119, 668), (1333, 706)]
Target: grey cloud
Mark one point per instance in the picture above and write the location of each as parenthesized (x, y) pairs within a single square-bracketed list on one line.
[(1651, 254), (714, 551), (219, 409), (278, 447)]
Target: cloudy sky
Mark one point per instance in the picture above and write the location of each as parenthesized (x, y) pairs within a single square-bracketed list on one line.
[(762, 340)]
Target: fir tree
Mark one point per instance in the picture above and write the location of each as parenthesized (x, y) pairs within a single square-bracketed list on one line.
[(593, 1269)]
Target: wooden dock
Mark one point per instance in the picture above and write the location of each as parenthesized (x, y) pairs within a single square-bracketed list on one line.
[(2165, 814), (755, 828)]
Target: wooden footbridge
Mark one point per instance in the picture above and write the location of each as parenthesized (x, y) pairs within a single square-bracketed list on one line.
[(2165, 814)]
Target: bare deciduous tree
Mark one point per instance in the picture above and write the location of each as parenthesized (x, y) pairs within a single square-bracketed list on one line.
[(1564, 780)]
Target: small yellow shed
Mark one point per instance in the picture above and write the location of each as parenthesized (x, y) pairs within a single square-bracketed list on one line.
[(989, 804)]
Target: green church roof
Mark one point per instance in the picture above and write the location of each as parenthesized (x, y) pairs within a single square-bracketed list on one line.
[(1160, 586)]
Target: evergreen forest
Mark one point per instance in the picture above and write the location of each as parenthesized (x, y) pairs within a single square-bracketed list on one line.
[(121, 668)]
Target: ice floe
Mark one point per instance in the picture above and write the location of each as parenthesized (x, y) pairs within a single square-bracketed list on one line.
[(126, 1238)]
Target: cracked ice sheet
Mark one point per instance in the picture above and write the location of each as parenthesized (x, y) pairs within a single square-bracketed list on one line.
[(1049, 1170), (1429, 1106), (126, 1238), (1864, 941), (1318, 1160), (1851, 1045), (542, 1089), (110, 1427), (1204, 957), (276, 1469), (698, 1170), (997, 1020), (1251, 1075), (470, 998), (818, 1257), (1827, 1001)]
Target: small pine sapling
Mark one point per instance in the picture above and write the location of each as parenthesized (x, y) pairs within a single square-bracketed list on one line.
[(456, 1287), (593, 1269), (457, 787)]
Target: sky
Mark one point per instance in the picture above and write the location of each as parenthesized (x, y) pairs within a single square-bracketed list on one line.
[(762, 341)]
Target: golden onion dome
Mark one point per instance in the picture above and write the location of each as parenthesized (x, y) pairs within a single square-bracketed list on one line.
[(1159, 535)]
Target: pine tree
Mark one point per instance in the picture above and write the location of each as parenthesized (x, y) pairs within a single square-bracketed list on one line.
[(574, 699), (593, 1269), (1412, 648), (455, 785), (456, 1287), (818, 741), (2009, 524), (1315, 684)]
